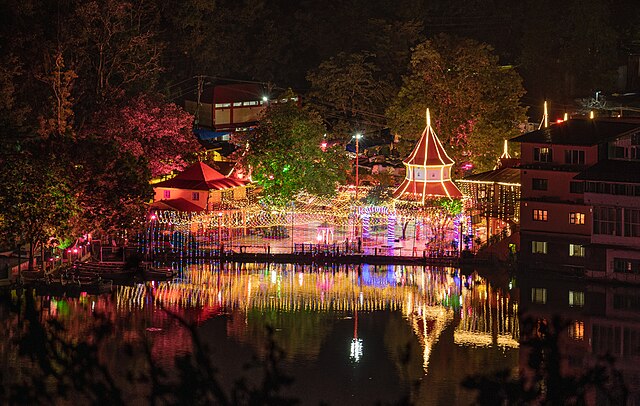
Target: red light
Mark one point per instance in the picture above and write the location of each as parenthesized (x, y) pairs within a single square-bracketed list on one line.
[(153, 217), (559, 121), (75, 250)]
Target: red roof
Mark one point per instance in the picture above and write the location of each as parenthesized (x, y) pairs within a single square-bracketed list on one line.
[(201, 176), (429, 150), (178, 204)]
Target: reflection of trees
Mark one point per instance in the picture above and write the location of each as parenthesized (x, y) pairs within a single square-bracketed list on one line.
[(301, 334)]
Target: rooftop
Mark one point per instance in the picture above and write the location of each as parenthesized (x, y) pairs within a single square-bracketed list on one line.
[(612, 171), (585, 132)]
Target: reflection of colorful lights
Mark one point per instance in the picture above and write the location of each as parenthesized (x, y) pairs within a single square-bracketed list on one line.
[(356, 350)]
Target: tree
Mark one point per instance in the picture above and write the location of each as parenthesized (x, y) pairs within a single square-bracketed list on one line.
[(568, 53), (284, 154), (36, 201), (110, 183), (474, 100), (348, 93), (152, 129)]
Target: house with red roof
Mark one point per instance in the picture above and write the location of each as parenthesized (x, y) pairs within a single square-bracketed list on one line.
[(428, 171), (198, 188)]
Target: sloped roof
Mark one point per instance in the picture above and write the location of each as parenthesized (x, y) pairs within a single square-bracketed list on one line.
[(178, 204), (577, 131), (612, 170), (429, 149), (201, 176), (502, 175)]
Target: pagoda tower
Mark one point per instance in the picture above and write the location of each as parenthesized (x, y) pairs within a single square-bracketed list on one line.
[(428, 171)]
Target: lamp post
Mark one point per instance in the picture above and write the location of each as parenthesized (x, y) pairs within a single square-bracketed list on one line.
[(357, 137)]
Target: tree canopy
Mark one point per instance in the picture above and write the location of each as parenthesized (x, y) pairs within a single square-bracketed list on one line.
[(285, 157), (474, 100)]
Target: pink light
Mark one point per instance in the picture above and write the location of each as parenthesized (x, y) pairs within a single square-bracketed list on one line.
[(153, 217), (75, 250)]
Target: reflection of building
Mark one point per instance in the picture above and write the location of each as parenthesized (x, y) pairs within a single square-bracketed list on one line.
[(602, 320), (580, 205)]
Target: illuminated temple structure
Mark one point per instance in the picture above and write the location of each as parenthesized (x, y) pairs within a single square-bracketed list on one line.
[(428, 171)]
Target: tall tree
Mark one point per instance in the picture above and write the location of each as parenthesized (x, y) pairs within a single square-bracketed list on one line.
[(285, 157), (474, 101), (349, 94)]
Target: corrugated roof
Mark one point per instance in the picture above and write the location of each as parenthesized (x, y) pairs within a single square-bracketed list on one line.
[(502, 175), (584, 132)]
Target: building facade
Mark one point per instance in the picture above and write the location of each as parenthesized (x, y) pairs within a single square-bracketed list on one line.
[(564, 224)]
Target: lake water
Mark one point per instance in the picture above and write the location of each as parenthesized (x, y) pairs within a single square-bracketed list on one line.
[(348, 334)]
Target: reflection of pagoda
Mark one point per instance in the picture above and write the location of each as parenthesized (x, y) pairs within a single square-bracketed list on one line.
[(428, 173)]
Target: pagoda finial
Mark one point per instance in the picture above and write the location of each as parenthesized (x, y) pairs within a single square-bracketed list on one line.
[(428, 118)]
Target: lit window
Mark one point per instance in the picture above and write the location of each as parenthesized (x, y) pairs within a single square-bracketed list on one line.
[(539, 295), (576, 298), (538, 247), (542, 155), (576, 330), (576, 250), (167, 194), (195, 196), (540, 215), (576, 218)]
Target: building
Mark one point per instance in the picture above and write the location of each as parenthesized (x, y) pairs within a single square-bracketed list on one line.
[(579, 197), (428, 171), (494, 197), (198, 188)]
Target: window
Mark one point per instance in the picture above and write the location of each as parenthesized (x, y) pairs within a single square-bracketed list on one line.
[(222, 105), (626, 265), (576, 250), (167, 194), (576, 187), (540, 215), (607, 221), (542, 155), (574, 157), (539, 184), (237, 104), (195, 196), (576, 298), (539, 295), (631, 223), (576, 330), (538, 247), (576, 218)]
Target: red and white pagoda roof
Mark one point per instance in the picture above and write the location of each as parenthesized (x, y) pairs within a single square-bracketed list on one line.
[(428, 170)]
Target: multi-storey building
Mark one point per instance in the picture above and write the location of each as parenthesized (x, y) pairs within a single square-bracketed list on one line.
[(566, 224)]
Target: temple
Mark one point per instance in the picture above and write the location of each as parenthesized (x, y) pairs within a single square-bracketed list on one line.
[(428, 171)]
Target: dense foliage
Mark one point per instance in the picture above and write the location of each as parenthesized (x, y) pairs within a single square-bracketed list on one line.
[(285, 157), (473, 100)]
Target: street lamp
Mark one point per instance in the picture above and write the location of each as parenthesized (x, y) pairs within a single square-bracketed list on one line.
[(357, 137)]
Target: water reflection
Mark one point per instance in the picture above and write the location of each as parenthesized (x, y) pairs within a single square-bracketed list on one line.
[(381, 328), (603, 319)]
